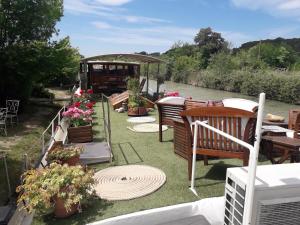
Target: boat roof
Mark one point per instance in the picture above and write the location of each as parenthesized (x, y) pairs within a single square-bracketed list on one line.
[(136, 57), (112, 62)]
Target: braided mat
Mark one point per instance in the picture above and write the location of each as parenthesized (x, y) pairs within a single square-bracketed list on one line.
[(142, 119), (147, 128), (128, 182)]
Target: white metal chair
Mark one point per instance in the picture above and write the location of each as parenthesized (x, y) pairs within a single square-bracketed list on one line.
[(12, 107), (3, 117)]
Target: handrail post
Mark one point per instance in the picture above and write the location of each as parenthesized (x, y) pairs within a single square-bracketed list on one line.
[(52, 128)]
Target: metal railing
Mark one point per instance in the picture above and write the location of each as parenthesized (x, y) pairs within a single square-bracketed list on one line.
[(51, 129), (253, 150), (106, 121)]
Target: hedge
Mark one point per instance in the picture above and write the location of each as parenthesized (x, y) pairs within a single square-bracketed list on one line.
[(280, 86)]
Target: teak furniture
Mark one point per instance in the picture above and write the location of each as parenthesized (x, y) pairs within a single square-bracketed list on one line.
[(169, 108), (294, 121), (236, 122), (289, 148)]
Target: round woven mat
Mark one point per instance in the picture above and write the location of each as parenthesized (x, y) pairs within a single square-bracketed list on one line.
[(143, 119), (148, 128), (128, 182)]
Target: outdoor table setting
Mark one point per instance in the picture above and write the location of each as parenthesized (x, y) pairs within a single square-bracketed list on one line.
[(280, 144)]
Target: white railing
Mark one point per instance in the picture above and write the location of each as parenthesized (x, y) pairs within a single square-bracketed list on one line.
[(253, 150), (54, 124)]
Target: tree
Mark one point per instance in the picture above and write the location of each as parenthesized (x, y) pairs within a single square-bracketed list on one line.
[(62, 63), (209, 42), (26, 27), (23, 21), (274, 55)]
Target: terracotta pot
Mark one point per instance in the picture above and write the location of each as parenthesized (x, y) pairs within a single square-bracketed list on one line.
[(138, 111), (71, 161), (80, 134), (61, 212)]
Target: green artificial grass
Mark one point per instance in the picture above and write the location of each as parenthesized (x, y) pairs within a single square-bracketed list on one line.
[(144, 148)]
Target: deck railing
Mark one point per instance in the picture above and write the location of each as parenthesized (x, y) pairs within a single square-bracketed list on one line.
[(52, 129)]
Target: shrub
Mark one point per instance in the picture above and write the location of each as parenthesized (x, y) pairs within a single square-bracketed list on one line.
[(277, 86), (42, 186), (39, 91)]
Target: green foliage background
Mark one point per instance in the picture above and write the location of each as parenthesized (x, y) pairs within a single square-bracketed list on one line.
[(270, 66), (27, 55)]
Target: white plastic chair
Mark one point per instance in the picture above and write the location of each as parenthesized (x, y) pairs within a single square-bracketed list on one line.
[(3, 117), (12, 107)]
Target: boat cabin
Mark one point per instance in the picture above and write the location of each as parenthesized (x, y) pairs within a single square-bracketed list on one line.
[(109, 76)]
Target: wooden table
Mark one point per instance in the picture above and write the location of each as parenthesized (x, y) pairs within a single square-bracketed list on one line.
[(280, 124), (288, 146)]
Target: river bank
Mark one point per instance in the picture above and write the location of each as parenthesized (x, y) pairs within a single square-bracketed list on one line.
[(186, 90)]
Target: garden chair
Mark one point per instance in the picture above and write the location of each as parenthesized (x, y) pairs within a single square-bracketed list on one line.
[(294, 122), (169, 109), (239, 123), (3, 117), (13, 108)]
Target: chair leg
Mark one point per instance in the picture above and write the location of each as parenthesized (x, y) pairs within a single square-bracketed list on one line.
[(205, 160), (160, 132), (246, 160)]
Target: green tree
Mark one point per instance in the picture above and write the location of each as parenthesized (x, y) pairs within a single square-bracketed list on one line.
[(23, 21), (27, 56), (210, 43), (274, 55), (62, 63)]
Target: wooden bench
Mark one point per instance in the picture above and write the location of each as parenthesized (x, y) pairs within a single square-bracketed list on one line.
[(236, 122)]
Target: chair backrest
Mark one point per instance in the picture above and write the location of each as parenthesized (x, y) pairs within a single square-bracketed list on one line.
[(236, 122), (3, 114), (189, 104), (12, 106), (294, 121), (169, 108)]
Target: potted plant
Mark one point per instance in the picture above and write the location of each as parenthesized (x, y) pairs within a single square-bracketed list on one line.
[(69, 155), (57, 188), (80, 129), (136, 104)]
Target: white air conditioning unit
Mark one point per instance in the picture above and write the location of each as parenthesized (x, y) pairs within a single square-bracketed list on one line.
[(276, 195)]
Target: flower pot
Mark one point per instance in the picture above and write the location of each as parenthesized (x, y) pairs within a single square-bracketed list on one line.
[(80, 134), (73, 161), (138, 111), (60, 210)]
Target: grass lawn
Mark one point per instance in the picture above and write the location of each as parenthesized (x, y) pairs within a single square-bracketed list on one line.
[(144, 148), (21, 139)]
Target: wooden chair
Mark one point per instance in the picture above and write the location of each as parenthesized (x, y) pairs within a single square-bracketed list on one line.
[(169, 109), (236, 122), (294, 121)]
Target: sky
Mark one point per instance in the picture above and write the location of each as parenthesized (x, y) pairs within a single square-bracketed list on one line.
[(126, 26)]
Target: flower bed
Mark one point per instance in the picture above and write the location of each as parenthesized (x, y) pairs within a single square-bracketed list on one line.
[(80, 117)]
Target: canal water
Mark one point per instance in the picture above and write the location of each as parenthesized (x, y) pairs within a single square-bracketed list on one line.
[(199, 93)]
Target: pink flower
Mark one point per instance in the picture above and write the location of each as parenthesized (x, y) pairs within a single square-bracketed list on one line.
[(76, 115)]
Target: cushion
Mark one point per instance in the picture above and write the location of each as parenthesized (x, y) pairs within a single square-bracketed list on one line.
[(172, 100), (239, 103)]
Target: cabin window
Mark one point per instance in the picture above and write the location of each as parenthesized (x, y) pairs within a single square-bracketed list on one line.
[(112, 67), (97, 67)]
